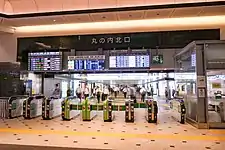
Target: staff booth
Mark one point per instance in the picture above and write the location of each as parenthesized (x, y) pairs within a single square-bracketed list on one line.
[(204, 94)]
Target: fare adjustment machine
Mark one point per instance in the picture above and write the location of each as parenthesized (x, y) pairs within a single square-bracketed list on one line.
[(129, 112), (151, 111), (108, 115)]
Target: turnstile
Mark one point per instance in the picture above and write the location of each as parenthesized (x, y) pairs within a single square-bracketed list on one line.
[(32, 107), (67, 112), (87, 113), (178, 110), (51, 108), (129, 111), (108, 115), (151, 111), (12, 107)]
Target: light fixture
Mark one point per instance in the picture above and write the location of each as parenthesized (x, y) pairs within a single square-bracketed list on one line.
[(54, 20), (205, 21)]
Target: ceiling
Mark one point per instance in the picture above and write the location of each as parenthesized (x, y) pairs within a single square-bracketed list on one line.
[(116, 16), (39, 6)]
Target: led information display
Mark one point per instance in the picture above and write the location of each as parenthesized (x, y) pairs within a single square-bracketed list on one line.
[(45, 61), (135, 61), (93, 62)]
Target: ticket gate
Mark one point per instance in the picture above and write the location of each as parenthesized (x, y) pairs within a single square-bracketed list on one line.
[(151, 111), (67, 112), (178, 110), (87, 113), (129, 112), (12, 107), (108, 115), (32, 107), (51, 108)]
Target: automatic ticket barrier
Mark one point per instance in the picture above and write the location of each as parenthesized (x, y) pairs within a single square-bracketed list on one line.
[(151, 111), (12, 107), (108, 115), (51, 108), (178, 110), (67, 112), (32, 107), (87, 113), (129, 111)]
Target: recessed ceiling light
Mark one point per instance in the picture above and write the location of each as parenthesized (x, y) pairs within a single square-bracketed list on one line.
[(54, 20)]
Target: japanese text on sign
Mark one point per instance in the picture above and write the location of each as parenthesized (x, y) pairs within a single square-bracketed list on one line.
[(110, 40)]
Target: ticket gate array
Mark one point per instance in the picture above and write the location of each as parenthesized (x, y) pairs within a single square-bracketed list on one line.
[(151, 111), (12, 107), (178, 110), (32, 107), (67, 112), (88, 113), (129, 112), (51, 108), (108, 115)]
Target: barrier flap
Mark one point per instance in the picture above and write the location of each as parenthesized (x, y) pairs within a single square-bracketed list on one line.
[(80, 107), (94, 107), (122, 108), (142, 105), (100, 107), (115, 107), (136, 105)]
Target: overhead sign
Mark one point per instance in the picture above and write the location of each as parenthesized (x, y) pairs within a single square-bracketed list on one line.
[(87, 57)]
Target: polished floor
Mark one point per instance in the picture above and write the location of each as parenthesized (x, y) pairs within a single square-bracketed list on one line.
[(165, 135)]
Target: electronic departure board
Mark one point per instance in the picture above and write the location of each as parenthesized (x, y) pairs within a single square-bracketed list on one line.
[(45, 61), (94, 62), (135, 61)]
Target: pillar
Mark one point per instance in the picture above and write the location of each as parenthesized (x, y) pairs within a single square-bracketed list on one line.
[(222, 33), (8, 47), (201, 85)]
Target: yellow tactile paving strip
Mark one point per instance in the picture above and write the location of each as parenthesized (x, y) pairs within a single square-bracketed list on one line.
[(118, 135), (167, 134)]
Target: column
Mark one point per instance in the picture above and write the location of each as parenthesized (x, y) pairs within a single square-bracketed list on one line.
[(222, 33), (201, 85), (8, 47)]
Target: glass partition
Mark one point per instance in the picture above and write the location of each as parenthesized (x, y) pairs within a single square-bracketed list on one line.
[(185, 80)]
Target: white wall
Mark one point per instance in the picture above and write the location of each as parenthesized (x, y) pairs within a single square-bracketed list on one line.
[(8, 47)]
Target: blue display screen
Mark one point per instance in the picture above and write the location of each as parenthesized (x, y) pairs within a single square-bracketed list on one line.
[(86, 64)]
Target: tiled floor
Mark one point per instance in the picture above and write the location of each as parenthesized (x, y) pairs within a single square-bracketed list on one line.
[(167, 134)]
